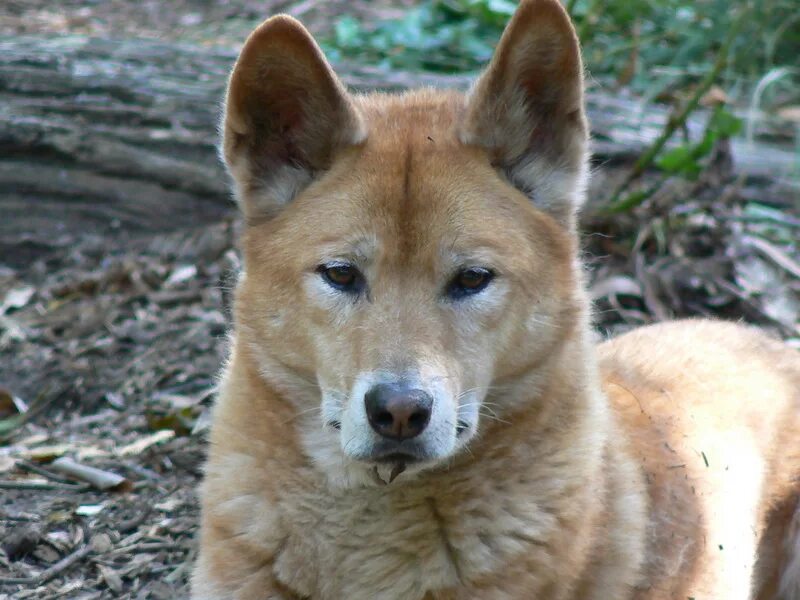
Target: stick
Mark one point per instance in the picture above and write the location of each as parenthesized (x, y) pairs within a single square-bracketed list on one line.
[(6, 484), (34, 468), (51, 572), (149, 547), (97, 478)]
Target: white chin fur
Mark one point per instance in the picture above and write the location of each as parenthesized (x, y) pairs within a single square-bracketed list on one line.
[(341, 472)]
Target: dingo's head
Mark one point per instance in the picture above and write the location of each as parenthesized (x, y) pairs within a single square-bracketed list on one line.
[(410, 259)]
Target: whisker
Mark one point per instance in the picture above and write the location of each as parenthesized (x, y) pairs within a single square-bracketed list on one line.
[(545, 323), (350, 441), (302, 413), (493, 417), (479, 403)]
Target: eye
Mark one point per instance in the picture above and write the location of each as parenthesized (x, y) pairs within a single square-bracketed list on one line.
[(342, 276), (469, 281)]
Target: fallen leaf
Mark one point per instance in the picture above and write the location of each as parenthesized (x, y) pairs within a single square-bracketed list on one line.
[(46, 454), (144, 443), (180, 421), (60, 539), (181, 274), (616, 285), (168, 505), (89, 510), (6, 463), (113, 581), (715, 95), (16, 298)]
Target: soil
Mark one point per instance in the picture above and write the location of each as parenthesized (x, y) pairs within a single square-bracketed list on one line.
[(110, 344)]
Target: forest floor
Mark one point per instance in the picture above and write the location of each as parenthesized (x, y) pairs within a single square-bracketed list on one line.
[(109, 345)]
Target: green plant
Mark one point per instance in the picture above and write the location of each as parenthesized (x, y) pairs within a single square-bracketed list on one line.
[(435, 36), (686, 159), (652, 45), (659, 49)]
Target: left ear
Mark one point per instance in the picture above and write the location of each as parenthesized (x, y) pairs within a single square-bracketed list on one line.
[(527, 109)]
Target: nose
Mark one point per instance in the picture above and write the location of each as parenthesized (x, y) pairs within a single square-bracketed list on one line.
[(396, 411)]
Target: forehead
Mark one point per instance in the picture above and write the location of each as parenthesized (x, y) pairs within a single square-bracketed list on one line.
[(413, 190)]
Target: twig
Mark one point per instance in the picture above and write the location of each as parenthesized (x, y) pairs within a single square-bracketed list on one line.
[(149, 547), (6, 484), (21, 518), (756, 311), (97, 478), (51, 572), (673, 124), (775, 254), (789, 223), (133, 523), (34, 468)]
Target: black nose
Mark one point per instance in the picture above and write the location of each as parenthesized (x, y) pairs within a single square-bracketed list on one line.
[(396, 411)]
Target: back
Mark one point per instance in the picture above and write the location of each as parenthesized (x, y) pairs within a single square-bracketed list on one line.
[(712, 410)]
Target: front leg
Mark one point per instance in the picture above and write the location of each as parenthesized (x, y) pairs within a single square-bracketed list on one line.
[(229, 569), (241, 538)]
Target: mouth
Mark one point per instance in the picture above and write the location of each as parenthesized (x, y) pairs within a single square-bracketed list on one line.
[(398, 461), (389, 452), (389, 465), (397, 457)]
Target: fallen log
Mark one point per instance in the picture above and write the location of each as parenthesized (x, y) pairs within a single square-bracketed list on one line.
[(97, 135)]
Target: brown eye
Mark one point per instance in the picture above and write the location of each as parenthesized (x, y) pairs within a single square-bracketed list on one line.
[(472, 278), (469, 281), (343, 277)]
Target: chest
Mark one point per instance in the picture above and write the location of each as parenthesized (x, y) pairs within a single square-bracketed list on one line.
[(376, 544)]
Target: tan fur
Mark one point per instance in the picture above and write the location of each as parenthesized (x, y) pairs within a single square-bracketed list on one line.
[(662, 464)]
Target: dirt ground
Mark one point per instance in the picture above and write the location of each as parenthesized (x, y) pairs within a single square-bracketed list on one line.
[(109, 346)]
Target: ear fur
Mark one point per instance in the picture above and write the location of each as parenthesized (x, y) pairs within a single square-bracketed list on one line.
[(527, 109), (286, 115)]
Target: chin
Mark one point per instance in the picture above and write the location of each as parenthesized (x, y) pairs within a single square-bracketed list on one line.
[(398, 468)]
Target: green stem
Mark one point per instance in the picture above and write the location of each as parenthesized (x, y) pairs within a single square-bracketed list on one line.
[(673, 124)]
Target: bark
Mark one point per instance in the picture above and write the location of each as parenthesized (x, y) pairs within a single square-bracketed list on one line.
[(98, 134)]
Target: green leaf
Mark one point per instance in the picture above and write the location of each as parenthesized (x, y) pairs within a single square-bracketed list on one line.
[(725, 123), (347, 31), (674, 160)]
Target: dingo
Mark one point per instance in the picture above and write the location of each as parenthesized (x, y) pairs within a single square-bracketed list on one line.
[(414, 407)]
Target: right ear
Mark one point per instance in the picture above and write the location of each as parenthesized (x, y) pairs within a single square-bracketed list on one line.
[(286, 115), (527, 109)]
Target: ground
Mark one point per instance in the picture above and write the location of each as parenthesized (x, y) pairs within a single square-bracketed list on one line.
[(112, 343)]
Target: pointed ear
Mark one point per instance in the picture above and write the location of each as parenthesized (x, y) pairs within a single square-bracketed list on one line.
[(286, 116), (527, 109)]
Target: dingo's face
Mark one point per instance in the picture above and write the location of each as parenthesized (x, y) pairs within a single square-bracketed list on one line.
[(407, 256)]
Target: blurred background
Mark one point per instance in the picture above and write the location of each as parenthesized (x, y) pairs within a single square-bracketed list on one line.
[(117, 232)]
